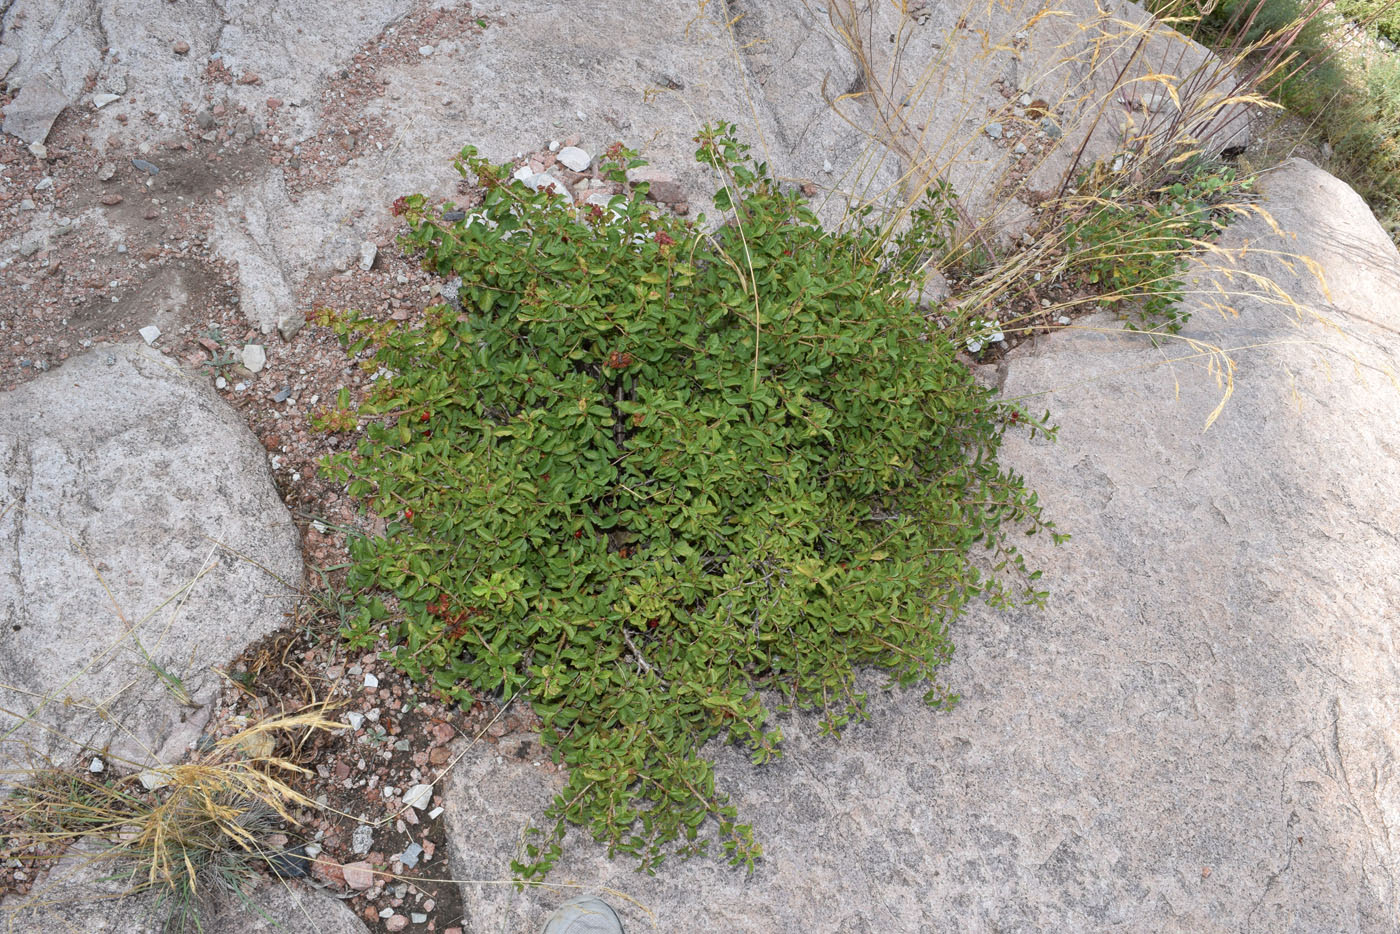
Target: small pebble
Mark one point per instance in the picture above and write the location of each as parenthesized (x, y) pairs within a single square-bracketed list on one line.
[(26, 205), (575, 159), (409, 857), (454, 216), (418, 917), (254, 357), (96, 765), (220, 383), (239, 387), (546, 182), (419, 796), (289, 325), (994, 130), (290, 864), (102, 100), (151, 779), (362, 839), (141, 165), (150, 333), (181, 48), (359, 876), (371, 681), (282, 394), (425, 50), (106, 171)]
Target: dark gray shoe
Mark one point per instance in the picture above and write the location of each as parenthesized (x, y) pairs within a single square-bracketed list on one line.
[(585, 914)]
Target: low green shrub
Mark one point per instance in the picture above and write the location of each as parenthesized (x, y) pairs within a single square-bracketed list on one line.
[(1350, 99), (1367, 145), (1381, 16), (1292, 33), (661, 482), (1133, 245)]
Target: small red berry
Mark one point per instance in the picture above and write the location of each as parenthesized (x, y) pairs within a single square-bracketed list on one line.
[(424, 416), (408, 514), (578, 533)]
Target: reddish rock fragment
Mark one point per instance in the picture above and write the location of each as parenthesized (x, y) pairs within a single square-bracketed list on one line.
[(358, 875)]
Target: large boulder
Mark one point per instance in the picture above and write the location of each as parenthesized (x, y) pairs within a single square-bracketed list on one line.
[(1008, 101), (142, 543), (1197, 734), (858, 102), (159, 53)]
